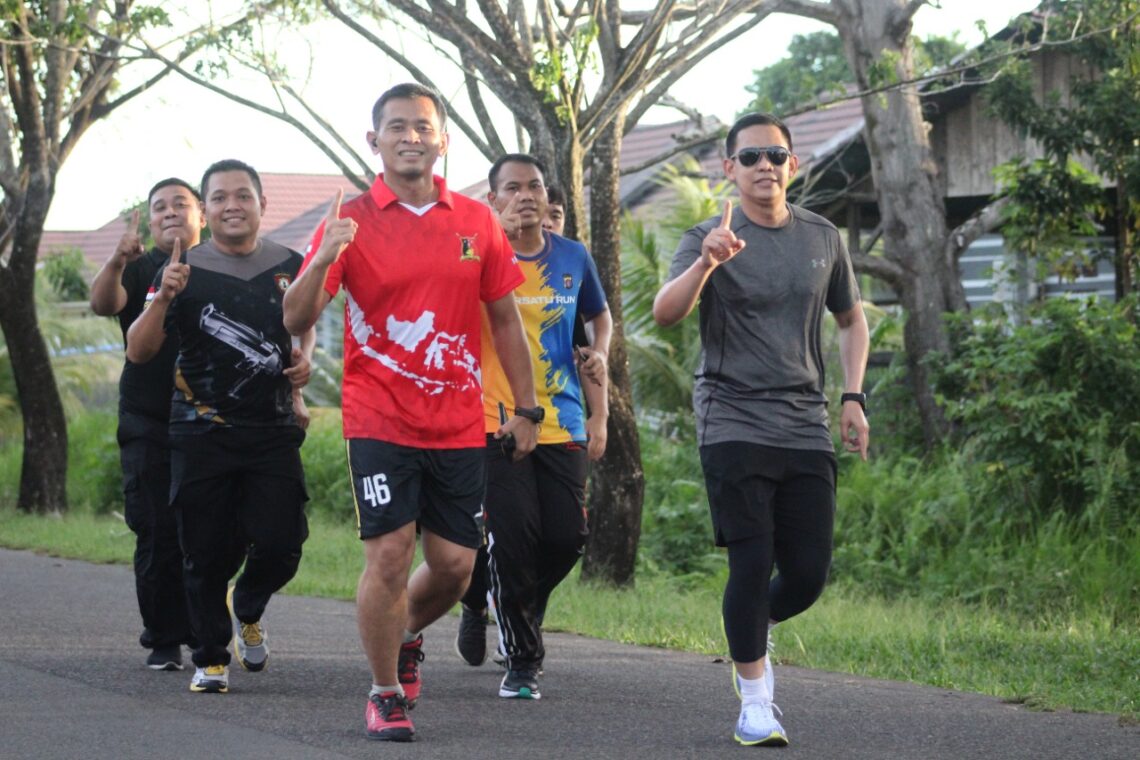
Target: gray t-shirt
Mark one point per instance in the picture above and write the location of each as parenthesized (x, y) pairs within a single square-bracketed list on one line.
[(760, 377)]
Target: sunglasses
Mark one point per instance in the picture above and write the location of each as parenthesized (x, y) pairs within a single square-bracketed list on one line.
[(777, 155)]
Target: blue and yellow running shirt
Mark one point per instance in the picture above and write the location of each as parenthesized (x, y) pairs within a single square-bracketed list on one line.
[(561, 282)]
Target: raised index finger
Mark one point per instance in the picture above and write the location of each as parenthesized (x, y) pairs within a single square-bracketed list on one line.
[(135, 216), (176, 253), (726, 220), (334, 208)]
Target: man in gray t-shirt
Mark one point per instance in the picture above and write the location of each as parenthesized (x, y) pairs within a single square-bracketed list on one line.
[(763, 277)]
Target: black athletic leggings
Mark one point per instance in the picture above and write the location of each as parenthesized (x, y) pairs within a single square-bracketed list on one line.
[(770, 507)]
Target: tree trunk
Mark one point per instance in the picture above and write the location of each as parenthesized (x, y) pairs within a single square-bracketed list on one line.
[(43, 477), (617, 488), (1124, 261), (910, 197)]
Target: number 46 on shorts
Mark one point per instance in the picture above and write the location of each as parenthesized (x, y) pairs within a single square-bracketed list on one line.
[(376, 491)]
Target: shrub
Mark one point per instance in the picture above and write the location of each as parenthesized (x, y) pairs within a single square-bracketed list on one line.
[(1047, 407)]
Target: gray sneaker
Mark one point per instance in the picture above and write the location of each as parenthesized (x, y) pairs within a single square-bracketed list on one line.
[(250, 646), (520, 684)]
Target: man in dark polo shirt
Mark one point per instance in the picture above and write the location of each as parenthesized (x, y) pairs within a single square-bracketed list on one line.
[(120, 289)]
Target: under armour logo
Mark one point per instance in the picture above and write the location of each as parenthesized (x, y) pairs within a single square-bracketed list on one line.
[(818, 263)]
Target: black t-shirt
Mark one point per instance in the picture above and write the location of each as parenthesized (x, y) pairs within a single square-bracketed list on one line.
[(145, 388), (232, 342)]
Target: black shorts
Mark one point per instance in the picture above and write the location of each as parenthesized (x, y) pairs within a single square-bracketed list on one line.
[(751, 487), (441, 489)]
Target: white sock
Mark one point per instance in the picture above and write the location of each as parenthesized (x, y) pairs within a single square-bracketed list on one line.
[(378, 690), (753, 690), (409, 637)]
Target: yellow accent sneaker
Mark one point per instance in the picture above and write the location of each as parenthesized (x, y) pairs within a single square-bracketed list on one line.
[(212, 679), (250, 647)]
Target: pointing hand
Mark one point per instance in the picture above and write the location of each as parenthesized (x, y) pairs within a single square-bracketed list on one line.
[(130, 244), (176, 274), (338, 233), (721, 244)]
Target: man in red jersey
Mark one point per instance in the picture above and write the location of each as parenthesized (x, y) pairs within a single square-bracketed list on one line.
[(417, 264)]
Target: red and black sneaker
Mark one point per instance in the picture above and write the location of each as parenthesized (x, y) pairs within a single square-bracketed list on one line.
[(386, 718), (408, 669)]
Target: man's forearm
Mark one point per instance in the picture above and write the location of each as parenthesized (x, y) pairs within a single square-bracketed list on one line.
[(306, 299), (854, 348), (678, 296), (146, 335), (108, 297)]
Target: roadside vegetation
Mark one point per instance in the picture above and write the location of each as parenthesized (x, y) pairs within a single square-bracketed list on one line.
[(1007, 562)]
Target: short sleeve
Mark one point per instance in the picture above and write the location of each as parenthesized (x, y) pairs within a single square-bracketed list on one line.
[(501, 273), (592, 297), (843, 288)]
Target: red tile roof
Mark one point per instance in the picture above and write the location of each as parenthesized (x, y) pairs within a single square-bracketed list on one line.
[(289, 198)]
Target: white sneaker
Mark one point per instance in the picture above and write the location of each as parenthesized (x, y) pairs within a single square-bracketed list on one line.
[(758, 726), (212, 679)]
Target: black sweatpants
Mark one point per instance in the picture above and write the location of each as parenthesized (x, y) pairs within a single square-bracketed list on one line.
[(536, 528), (238, 494), (144, 452)]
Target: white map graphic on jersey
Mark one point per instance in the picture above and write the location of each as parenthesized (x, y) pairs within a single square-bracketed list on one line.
[(442, 351)]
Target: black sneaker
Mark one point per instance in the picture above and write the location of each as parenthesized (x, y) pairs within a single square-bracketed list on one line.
[(165, 658), (471, 641), (520, 684)]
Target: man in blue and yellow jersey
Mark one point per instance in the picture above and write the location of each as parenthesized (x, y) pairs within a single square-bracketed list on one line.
[(535, 508)]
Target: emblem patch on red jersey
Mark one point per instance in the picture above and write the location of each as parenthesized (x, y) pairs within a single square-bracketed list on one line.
[(467, 250), (282, 281)]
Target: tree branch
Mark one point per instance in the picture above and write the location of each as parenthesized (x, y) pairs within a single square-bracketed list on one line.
[(680, 61), (820, 11), (879, 267), (983, 221)]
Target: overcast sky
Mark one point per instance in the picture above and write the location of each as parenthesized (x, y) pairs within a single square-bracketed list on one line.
[(179, 128)]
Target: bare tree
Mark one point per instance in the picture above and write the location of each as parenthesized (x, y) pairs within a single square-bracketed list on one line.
[(574, 79), (59, 62)]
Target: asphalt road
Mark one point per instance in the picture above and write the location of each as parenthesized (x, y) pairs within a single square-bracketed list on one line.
[(73, 685)]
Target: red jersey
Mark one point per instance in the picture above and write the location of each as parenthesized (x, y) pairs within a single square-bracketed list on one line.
[(415, 286)]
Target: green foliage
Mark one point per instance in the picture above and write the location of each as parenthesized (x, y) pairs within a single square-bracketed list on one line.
[(1101, 120), (326, 467), (816, 69), (67, 273), (94, 475), (676, 533), (1053, 211), (1041, 408), (554, 70)]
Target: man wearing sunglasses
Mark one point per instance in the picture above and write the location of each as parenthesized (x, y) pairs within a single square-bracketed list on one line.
[(763, 276)]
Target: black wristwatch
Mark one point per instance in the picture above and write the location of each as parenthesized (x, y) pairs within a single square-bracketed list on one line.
[(535, 414), (858, 398)]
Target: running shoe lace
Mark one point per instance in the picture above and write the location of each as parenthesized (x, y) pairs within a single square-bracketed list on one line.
[(251, 634)]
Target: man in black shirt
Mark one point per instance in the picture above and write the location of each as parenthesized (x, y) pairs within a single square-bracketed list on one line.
[(120, 289), (236, 420)]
